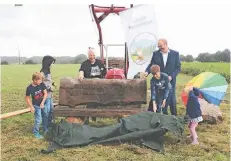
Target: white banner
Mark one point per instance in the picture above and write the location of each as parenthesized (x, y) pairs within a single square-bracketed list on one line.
[(140, 29)]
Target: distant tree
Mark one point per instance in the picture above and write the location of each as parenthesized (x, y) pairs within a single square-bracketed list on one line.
[(204, 57), (189, 58), (79, 59), (182, 58), (219, 56), (30, 62), (226, 55), (4, 63)]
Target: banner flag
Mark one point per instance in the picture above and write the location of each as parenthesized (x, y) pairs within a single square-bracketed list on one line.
[(140, 29)]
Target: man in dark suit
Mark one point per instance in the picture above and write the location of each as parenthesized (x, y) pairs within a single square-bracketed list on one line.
[(169, 62)]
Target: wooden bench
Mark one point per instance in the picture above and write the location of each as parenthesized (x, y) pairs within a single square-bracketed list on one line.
[(113, 98)]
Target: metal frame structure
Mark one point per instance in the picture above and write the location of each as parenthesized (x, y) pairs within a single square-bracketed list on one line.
[(106, 47), (105, 12)]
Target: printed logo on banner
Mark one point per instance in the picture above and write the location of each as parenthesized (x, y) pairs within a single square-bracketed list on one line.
[(142, 47)]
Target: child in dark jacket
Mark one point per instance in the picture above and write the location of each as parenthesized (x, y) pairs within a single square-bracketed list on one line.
[(160, 88), (193, 110)]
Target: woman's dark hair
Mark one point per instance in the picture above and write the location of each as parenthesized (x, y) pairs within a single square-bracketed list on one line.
[(46, 63)]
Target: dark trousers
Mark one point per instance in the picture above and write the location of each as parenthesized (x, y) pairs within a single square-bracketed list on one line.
[(159, 102), (171, 101)]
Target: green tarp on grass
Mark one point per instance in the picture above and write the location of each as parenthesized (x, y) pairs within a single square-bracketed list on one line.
[(147, 128)]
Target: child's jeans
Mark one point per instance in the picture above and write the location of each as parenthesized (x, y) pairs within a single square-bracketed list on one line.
[(40, 115), (49, 109)]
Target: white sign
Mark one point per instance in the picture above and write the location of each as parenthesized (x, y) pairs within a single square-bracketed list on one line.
[(140, 29)]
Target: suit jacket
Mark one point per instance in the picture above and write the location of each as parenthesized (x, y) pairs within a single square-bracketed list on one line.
[(173, 64)]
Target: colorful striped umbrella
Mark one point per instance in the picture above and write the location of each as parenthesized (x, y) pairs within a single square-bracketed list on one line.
[(213, 87)]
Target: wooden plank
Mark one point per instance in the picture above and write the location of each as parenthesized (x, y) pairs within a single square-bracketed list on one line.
[(55, 104), (102, 91), (11, 114), (98, 112)]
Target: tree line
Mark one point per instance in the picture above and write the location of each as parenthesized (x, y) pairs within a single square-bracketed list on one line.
[(219, 56), (38, 60)]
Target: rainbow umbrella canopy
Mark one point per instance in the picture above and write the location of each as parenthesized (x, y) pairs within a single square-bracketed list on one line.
[(213, 87)]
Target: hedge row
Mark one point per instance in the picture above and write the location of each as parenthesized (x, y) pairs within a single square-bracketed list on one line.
[(194, 72)]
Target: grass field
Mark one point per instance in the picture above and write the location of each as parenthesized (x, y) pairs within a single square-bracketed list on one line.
[(18, 143), (196, 68)]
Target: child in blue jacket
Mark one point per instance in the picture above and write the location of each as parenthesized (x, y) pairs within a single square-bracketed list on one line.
[(193, 110), (160, 89)]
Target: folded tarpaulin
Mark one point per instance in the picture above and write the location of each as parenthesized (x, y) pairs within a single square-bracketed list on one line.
[(147, 128)]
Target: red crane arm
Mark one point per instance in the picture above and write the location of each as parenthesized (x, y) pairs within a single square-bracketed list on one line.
[(105, 12)]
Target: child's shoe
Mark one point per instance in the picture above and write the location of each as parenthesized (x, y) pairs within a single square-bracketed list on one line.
[(195, 142), (190, 136), (38, 136)]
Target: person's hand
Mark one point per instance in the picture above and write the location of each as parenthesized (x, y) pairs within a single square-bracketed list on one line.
[(52, 89), (154, 107), (81, 78), (189, 88), (42, 105), (145, 74), (164, 103), (169, 78), (53, 84), (32, 109)]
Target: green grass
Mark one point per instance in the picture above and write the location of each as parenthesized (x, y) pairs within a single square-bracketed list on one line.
[(18, 142), (196, 68), (213, 67)]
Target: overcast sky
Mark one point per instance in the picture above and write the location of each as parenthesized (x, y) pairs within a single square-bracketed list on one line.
[(61, 30)]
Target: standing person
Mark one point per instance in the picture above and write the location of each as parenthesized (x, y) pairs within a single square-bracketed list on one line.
[(92, 68), (45, 71), (37, 90), (193, 110), (160, 88), (169, 62)]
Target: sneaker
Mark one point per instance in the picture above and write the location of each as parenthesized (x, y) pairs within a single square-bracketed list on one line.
[(195, 142), (190, 136), (38, 136)]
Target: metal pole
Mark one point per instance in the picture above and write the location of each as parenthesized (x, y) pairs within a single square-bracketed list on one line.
[(106, 58), (125, 61), (19, 58)]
